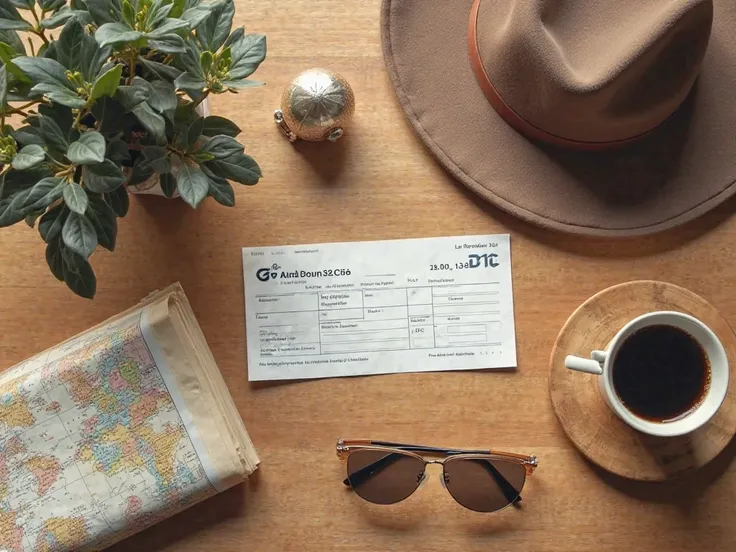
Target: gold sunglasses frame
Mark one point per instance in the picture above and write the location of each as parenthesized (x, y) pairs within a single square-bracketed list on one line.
[(345, 447)]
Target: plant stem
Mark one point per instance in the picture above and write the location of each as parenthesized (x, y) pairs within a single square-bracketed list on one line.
[(33, 48), (131, 67), (38, 31), (204, 95), (15, 111), (82, 113), (29, 104), (35, 15)]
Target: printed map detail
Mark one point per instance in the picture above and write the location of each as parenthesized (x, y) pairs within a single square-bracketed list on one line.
[(92, 446)]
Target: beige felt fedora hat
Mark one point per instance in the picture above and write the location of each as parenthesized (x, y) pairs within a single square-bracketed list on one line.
[(598, 117)]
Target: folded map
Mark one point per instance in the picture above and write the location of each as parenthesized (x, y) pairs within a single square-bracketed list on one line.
[(114, 430)]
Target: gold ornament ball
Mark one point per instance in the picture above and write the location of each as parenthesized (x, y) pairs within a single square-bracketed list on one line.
[(316, 105)]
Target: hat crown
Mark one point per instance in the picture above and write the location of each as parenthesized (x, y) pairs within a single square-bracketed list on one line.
[(589, 71)]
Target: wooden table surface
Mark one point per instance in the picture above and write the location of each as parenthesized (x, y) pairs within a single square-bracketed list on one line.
[(379, 182)]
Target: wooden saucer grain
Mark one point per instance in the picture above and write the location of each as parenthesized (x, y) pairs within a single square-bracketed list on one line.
[(599, 434)]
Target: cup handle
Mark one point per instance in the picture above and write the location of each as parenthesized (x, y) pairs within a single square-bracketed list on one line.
[(593, 365)]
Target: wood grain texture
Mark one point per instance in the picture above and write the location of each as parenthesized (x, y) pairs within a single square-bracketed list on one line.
[(588, 421), (379, 182)]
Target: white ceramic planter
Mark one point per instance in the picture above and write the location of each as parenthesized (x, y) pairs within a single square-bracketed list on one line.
[(152, 185)]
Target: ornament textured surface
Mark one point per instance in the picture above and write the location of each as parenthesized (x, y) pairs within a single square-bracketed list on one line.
[(316, 105)]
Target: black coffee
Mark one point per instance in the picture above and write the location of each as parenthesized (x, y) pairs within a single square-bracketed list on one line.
[(661, 373)]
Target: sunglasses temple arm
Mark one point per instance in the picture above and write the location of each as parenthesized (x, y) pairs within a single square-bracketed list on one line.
[(368, 471), (511, 494), (419, 448)]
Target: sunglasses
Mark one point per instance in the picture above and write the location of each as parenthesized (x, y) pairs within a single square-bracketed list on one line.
[(480, 480)]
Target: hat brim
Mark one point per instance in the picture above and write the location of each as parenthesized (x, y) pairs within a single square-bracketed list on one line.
[(678, 172)]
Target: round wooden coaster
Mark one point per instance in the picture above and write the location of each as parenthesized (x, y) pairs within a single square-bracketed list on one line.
[(593, 427)]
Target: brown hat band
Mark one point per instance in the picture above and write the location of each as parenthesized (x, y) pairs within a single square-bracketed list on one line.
[(512, 117)]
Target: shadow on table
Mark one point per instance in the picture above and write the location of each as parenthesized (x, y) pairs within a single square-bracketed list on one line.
[(627, 247), (326, 158), (206, 515), (682, 490)]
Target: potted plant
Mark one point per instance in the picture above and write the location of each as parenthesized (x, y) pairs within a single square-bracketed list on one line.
[(107, 95)]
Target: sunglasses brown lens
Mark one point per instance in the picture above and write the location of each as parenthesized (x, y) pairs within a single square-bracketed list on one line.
[(384, 477), (484, 485)]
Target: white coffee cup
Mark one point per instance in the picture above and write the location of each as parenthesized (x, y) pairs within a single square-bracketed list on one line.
[(601, 363)]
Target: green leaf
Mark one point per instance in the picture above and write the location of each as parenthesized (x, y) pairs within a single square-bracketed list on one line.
[(152, 121), (16, 185), (44, 193), (51, 5), (114, 34), (157, 159), (13, 182), (220, 189), (131, 96), (139, 173), (190, 84), (93, 58), (7, 53), (103, 178), (3, 87), (90, 148), (78, 274), (192, 184), (79, 235), (177, 8), (52, 135), (214, 125), (168, 44), (9, 12), (60, 94), (28, 135), (32, 217), (52, 222), (195, 15), (44, 70), (8, 25), (189, 60), (247, 53), (168, 184), (128, 13), (158, 10), (58, 19), (214, 30), (75, 198), (170, 26), (61, 115), (201, 156), (105, 11), (10, 213), (164, 72), (119, 201), (22, 4), (104, 220), (163, 97), (13, 40), (71, 39), (30, 156), (222, 147), (205, 61), (54, 258), (193, 133), (107, 84), (117, 150), (239, 167)]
